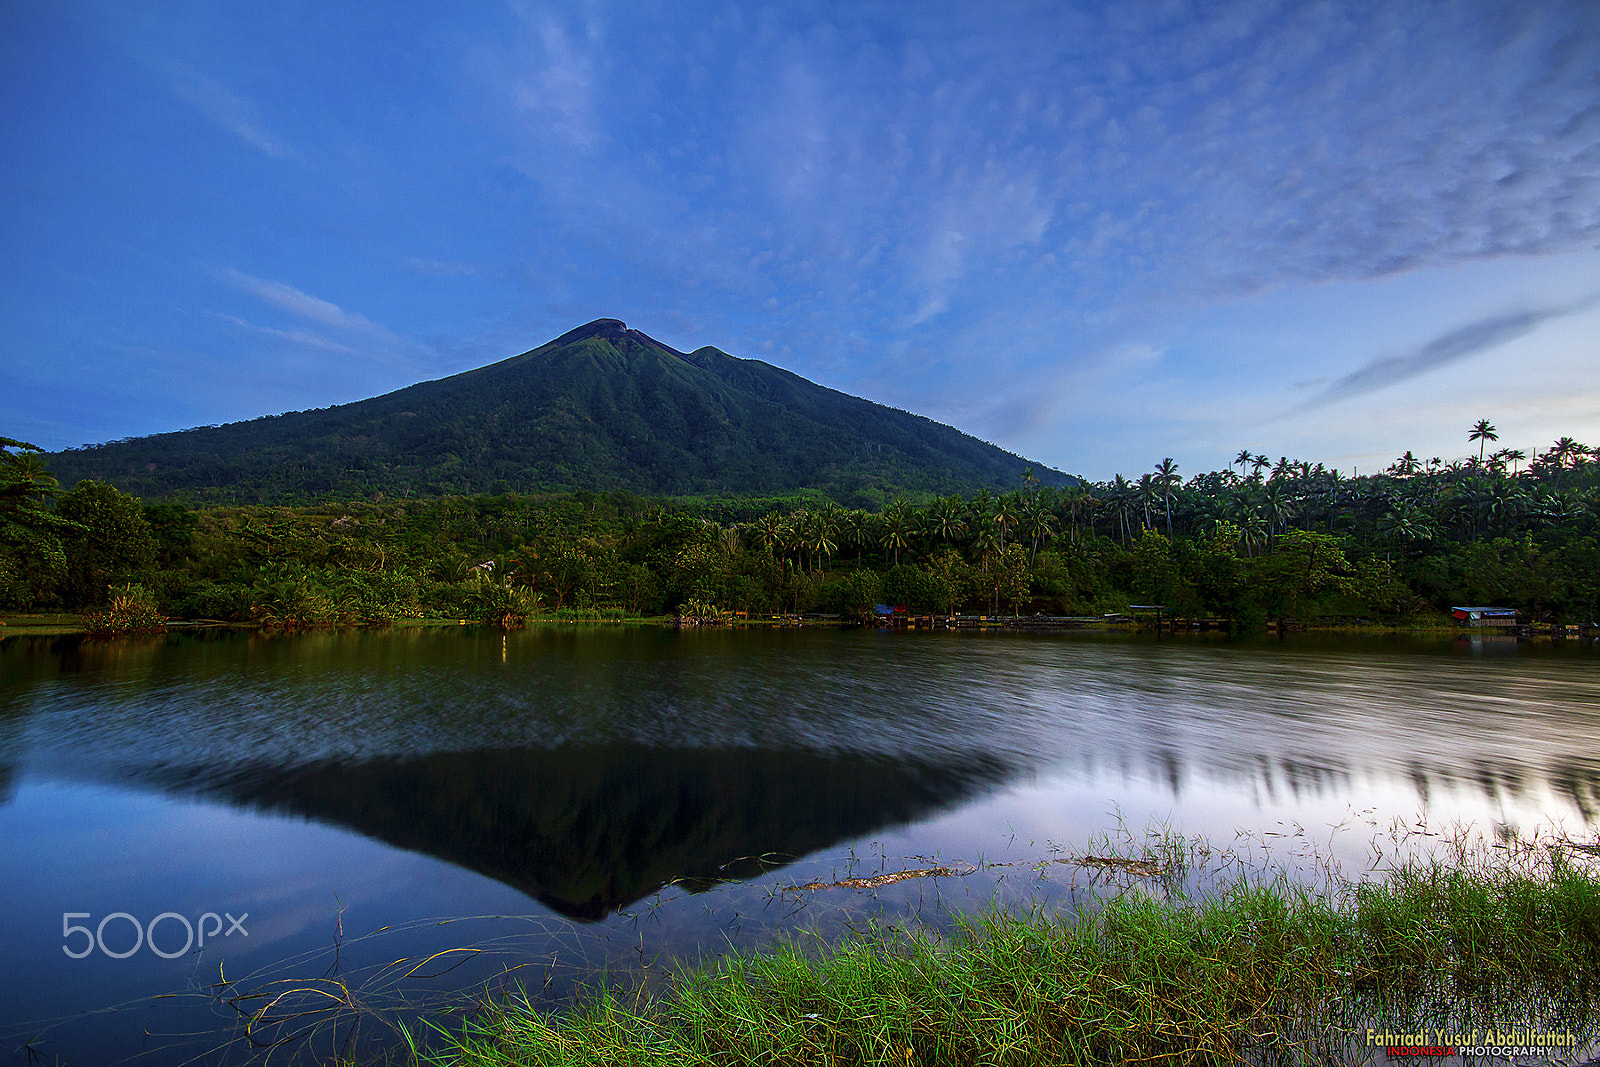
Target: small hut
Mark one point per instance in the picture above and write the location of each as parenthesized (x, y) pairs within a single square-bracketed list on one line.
[(1481, 617)]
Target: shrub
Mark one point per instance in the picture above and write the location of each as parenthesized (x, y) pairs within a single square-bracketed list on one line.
[(130, 610)]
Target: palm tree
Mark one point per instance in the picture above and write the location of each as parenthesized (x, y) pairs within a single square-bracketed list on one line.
[(1146, 489), (26, 478), (1242, 460), (1120, 498), (897, 529), (985, 544), (1277, 507), (768, 529), (1005, 514), (1483, 433), (1037, 524), (1406, 465), (1166, 480), (1252, 531), (790, 539), (820, 533), (1078, 499), (944, 520), (1406, 524), (855, 528)]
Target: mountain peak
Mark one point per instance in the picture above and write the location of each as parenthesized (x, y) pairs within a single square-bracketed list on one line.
[(606, 329), (613, 330)]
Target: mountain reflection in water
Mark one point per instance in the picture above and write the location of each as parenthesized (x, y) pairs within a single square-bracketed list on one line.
[(589, 830), (590, 767)]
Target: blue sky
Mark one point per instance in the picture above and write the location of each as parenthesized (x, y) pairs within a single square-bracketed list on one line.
[(1094, 234)]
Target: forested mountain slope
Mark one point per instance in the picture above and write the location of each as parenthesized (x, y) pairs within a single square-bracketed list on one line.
[(601, 407)]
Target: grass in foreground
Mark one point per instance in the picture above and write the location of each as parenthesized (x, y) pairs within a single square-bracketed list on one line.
[(1269, 973)]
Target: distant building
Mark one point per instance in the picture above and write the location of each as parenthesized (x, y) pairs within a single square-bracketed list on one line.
[(1484, 616)]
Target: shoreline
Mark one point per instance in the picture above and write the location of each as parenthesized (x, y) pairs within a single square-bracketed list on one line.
[(62, 624)]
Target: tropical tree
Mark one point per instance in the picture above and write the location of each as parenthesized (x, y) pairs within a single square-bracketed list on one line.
[(855, 528), (768, 530), (110, 543), (1407, 525), (1167, 481), (1122, 501), (1406, 466), (1146, 493), (1007, 509), (944, 521), (1037, 524), (898, 528), (986, 544), (33, 560), (819, 535), (1482, 432), (1078, 500)]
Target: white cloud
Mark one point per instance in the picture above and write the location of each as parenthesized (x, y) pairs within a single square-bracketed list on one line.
[(233, 113), (288, 299), (298, 337), (557, 95)]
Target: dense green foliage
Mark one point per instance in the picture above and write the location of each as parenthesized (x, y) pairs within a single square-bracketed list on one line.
[(600, 406), (33, 561), (1296, 540), (1255, 974)]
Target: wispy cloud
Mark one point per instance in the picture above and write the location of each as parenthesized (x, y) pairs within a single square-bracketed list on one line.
[(298, 337), (558, 96), (357, 335), (303, 305), (233, 113), (1481, 335)]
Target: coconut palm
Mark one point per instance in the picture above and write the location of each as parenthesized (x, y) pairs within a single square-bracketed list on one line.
[(851, 529), (1407, 525), (1146, 493), (1166, 481), (944, 521), (1122, 501), (1036, 524), (1483, 433), (1005, 513), (986, 543), (24, 479), (1277, 507), (1406, 465), (819, 535), (897, 529), (768, 530), (1079, 500)]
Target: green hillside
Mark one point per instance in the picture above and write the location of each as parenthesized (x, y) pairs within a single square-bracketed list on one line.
[(601, 407)]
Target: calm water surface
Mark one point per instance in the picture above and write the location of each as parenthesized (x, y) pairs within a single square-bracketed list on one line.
[(571, 800)]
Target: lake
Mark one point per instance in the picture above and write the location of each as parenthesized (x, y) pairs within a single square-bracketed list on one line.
[(360, 825)]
